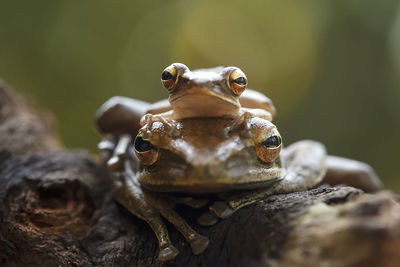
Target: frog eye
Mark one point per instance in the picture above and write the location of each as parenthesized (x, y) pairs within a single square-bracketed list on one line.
[(169, 77), (272, 141), (270, 148), (145, 151), (237, 81)]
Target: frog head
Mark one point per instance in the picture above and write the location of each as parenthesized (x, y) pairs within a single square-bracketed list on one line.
[(203, 93)]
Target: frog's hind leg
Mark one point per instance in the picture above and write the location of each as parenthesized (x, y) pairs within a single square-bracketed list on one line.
[(351, 172), (198, 242), (305, 168), (305, 164), (120, 115)]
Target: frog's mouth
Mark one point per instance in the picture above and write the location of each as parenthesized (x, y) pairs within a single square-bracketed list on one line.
[(202, 92), (198, 185), (210, 179)]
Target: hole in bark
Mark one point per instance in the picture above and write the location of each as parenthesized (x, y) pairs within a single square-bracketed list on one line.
[(55, 197), (56, 207)]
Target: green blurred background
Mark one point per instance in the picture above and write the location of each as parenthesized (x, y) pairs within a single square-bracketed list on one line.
[(331, 67)]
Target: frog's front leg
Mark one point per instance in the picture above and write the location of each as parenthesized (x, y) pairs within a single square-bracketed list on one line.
[(128, 193), (117, 151), (150, 206), (305, 168), (197, 242), (147, 121), (243, 120)]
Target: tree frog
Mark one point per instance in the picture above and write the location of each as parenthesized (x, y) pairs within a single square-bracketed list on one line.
[(212, 144)]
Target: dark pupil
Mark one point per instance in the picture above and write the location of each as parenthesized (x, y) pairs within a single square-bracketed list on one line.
[(240, 80), (273, 141), (142, 145), (166, 75)]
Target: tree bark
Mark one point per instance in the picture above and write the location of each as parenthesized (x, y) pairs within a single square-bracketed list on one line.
[(55, 210)]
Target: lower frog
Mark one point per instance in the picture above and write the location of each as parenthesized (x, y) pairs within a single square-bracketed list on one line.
[(213, 144)]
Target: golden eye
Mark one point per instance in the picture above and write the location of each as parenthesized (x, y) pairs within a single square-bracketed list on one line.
[(169, 77), (145, 151), (237, 81), (270, 148)]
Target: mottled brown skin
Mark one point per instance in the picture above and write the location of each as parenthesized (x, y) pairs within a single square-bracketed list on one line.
[(211, 138)]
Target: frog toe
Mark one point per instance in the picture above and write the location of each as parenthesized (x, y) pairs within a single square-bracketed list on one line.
[(199, 243), (221, 209), (167, 253), (207, 219), (196, 203)]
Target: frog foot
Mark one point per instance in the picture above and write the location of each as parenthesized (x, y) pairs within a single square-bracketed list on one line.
[(218, 210), (167, 252), (222, 209), (240, 122), (198, 243), (115, 162), (207, 219), (243, 121), (148, 120)]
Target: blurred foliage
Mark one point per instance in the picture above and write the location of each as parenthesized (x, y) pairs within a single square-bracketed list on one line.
[(331, 67)]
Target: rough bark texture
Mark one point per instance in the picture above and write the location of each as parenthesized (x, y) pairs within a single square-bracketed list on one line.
[(55, 211)]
